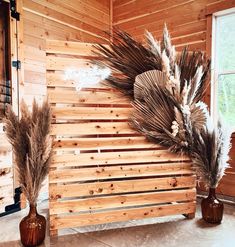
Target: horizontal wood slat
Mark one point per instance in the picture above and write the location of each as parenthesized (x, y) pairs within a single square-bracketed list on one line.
[(118, 201), (86, 97), (62, 63), (71, 48), (91, 113), (102, 170), (103, 143), (107, 158), (95, 128), (126, 186), (121, 215), (73, 175)]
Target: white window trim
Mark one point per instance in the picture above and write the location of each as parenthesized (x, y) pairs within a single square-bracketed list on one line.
[(214, 65)]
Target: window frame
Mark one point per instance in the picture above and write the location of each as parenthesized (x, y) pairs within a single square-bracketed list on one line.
[(215, 73)]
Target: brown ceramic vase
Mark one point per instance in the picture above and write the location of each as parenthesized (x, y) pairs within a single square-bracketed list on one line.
[(32, 228), (212, 208)]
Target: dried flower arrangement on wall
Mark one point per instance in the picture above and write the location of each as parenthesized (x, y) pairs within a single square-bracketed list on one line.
[(167, 89)]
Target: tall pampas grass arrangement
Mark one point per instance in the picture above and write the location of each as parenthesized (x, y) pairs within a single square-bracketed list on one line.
[(210, 157), (31, 144), (210, 152)]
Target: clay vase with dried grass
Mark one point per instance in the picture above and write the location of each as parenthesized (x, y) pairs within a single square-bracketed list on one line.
[(31, 142)]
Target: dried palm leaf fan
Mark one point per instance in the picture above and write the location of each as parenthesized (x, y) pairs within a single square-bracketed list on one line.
[(157, 114), (164, 113)]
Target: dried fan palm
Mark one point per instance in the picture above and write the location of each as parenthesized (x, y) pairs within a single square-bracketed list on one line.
[(156, 112), (210, 152), (31, 144)]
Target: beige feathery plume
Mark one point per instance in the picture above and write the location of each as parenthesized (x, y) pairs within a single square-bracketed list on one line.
[(153, 44), (166, 64), (31, 142)]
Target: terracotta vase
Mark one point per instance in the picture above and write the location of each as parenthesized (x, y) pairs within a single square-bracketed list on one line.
[(32, 228), (212, 208)]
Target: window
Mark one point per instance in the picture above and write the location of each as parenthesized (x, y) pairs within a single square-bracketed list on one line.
[(223, 66), (5, 60)]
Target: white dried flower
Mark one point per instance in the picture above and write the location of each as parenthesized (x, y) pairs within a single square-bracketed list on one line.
[(186, 109), (175, 128)]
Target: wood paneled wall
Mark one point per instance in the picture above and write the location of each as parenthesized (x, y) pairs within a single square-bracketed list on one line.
[(186, 19), (58, 20)]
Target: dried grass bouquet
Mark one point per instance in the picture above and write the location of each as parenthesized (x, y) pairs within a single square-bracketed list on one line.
[(31, 144)]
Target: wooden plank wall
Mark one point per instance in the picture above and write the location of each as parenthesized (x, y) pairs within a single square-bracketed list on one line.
[(68, 20), (102, 170), (186, 19), (187, 23)]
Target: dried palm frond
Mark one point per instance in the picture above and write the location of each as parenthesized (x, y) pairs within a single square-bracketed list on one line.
[(31, 144), (156, 113), (128, 57), (210, 152)]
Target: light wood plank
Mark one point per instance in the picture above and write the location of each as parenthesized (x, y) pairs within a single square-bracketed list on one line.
[(119, 201), (91, 113), (126, 186), (121, 215), (102, 143), (94, 128), (63, 63), (86, 97), (107, 158), (113, 172), (70, 48)]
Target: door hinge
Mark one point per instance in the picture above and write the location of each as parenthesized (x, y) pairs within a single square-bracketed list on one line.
[(16, 64), (14, 13)]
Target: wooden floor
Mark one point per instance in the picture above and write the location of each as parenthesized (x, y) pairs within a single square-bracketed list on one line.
[(167, 231)]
